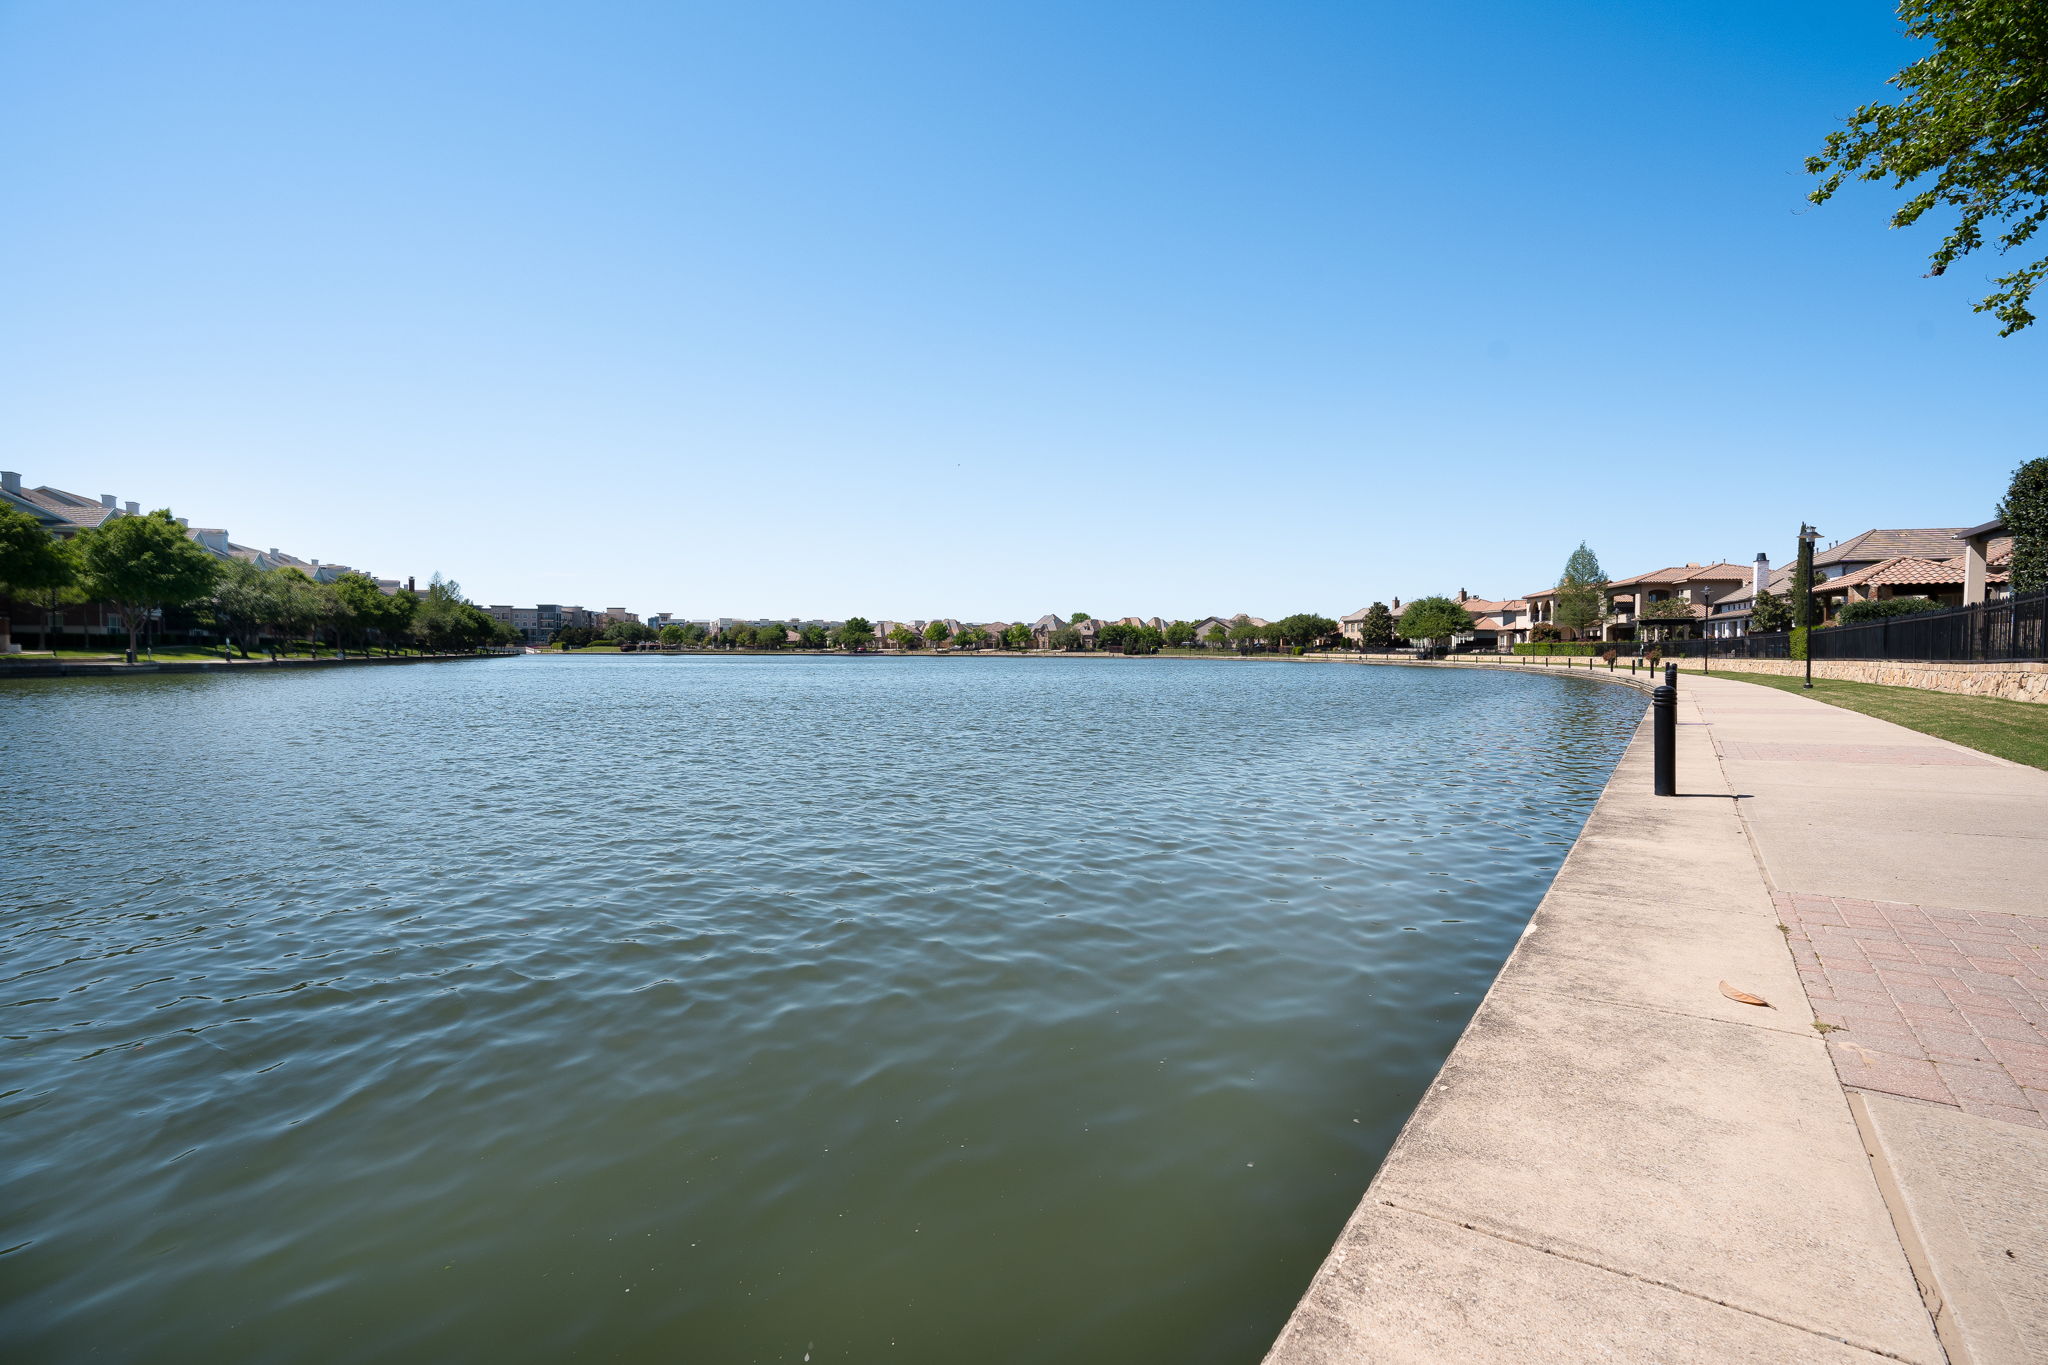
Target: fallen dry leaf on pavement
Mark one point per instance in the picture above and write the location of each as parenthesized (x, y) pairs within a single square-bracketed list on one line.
[(1743, 997)]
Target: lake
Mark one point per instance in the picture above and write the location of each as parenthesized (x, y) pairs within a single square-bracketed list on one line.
[(739, 1009)]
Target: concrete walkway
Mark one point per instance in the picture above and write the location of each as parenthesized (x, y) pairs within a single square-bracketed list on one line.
[(1620, 1161)]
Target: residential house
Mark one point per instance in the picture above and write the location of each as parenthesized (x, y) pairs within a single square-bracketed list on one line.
[(1696, 586), (1353, 625), (1496, 625), (1948, 566), (63, 514), (1980, 552), (1942, 580)]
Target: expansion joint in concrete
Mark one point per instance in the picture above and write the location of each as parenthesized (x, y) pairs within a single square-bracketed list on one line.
[(1635, 1278)]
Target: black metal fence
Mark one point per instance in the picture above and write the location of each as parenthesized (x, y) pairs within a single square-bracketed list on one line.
[(2013, 630)]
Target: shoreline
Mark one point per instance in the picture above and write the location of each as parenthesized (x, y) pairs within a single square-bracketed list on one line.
[(90, 669), (1621, 1160)]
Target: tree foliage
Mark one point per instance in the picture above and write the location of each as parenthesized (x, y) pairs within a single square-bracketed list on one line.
[(1017, 636), (141, 565), (628, 632), (1377, 630), (1970, 131), (938, 632), (31, 559), (1769, 611), (1877, 609), (1581, 602), (1130, 639), (1305, 629), (1066, 637), (35, 567), (2025, 510), (1434, 619), (854, 634)]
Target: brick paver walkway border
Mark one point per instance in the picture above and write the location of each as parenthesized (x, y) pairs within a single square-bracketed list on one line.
[(1944, 1005)]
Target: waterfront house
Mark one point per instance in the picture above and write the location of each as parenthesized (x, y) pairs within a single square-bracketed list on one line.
[(62, 514), (1495, 624), (1980, 551), (1697, 587), (1875, 546), (1906, 576), (1353, 625)]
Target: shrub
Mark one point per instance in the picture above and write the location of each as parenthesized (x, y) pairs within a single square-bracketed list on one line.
[(2025, 510), (1555, 647), (1798, 641), (1877, 610)]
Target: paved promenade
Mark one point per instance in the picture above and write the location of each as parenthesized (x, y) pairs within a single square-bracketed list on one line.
[(1621, 1161)]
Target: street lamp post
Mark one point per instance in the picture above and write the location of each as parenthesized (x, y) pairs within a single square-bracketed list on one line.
[(1803, 604)]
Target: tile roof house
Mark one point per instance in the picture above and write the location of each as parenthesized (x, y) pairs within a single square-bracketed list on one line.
[(1699, 586), (1871, 547), (1983, 546), (1495, 624), (64, 514), (1352, 625), (1942, 580)]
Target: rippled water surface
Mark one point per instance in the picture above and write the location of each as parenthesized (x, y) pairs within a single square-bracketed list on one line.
[(739, 1009)]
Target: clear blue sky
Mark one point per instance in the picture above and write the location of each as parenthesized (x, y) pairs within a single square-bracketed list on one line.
[(982, 310)]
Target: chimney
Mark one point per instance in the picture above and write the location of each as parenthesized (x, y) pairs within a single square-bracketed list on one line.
[(1461, 595), (408, 584), (272, 552), (133, 509), (183, 522), (107, 501), (1762, 575), (10, 480)]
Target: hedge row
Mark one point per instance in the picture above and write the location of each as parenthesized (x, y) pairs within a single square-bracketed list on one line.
[(1558, 647)]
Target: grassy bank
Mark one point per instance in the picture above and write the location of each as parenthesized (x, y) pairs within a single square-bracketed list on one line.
[(2016, 730)]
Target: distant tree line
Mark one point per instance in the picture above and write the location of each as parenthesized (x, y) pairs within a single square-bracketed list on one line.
[(144, 566)]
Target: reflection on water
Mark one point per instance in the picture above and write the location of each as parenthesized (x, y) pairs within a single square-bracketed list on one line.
[(738, 1010)]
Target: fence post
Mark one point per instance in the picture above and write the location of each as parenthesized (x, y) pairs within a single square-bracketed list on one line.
[(1664, 740)]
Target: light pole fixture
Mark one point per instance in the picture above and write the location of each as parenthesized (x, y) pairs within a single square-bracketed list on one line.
[(1804, 605)]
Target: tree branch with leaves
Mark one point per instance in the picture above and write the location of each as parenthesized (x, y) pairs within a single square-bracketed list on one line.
[(1969, 131)]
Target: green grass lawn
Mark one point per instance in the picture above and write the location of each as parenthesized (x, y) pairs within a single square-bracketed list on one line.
[(2017, 730), (173, 652)]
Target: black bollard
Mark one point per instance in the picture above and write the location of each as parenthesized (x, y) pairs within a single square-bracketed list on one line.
[(1664, 740), (1671, 677)]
